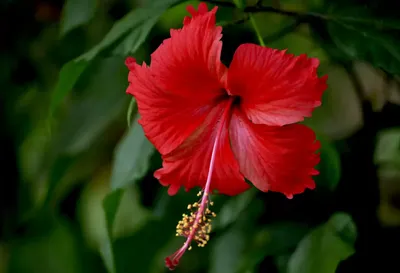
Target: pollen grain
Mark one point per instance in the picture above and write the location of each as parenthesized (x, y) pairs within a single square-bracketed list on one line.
[(201, 229), (194, 226)]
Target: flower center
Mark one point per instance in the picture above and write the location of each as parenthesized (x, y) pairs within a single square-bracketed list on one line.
[(197, 224), (236, 100)]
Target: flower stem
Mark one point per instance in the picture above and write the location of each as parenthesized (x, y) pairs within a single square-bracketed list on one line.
[(254, 24)]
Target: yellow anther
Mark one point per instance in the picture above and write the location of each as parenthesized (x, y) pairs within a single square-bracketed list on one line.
[(190, 248), (196, 223), (212, 203)]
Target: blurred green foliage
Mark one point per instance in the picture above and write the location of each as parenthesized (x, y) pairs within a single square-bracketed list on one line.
[(79, 195)]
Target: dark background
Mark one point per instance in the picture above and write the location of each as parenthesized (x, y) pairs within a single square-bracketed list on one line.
[(78, 193)]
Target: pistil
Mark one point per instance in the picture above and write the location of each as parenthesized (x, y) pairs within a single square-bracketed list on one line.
[(197, 224)]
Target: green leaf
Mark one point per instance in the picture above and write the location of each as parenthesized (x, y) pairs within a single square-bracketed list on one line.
[(272, 240), (145, 249), (231, 210), (324, 247), (129, 113), (329, 167), (172, 18), (106, 216), (281, 262), (101, 101), (132, 157), (229, 247), (110, 206), (69, 75), (340, 114), (351, 29), (76, 13), (240, 3), (227, 250), (164, 4), (140, 21), (131, 21), (388, 147), (136, 37), (56, 250), (138, 252), (295, 42)]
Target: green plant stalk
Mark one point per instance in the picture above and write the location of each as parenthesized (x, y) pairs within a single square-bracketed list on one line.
[(257, 31)]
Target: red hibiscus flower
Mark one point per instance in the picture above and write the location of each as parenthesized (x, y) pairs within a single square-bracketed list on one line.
[(215, 126)]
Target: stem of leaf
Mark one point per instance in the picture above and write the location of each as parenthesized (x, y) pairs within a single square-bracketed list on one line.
[(130, 110), (257, 31), (283, 31), (236, 22), (259, 8), (254, 9)]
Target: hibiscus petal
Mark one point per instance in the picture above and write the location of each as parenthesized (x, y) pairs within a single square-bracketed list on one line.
[(177, 91), (276, 88), (188, 165), (202, 9), (275, 158)]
